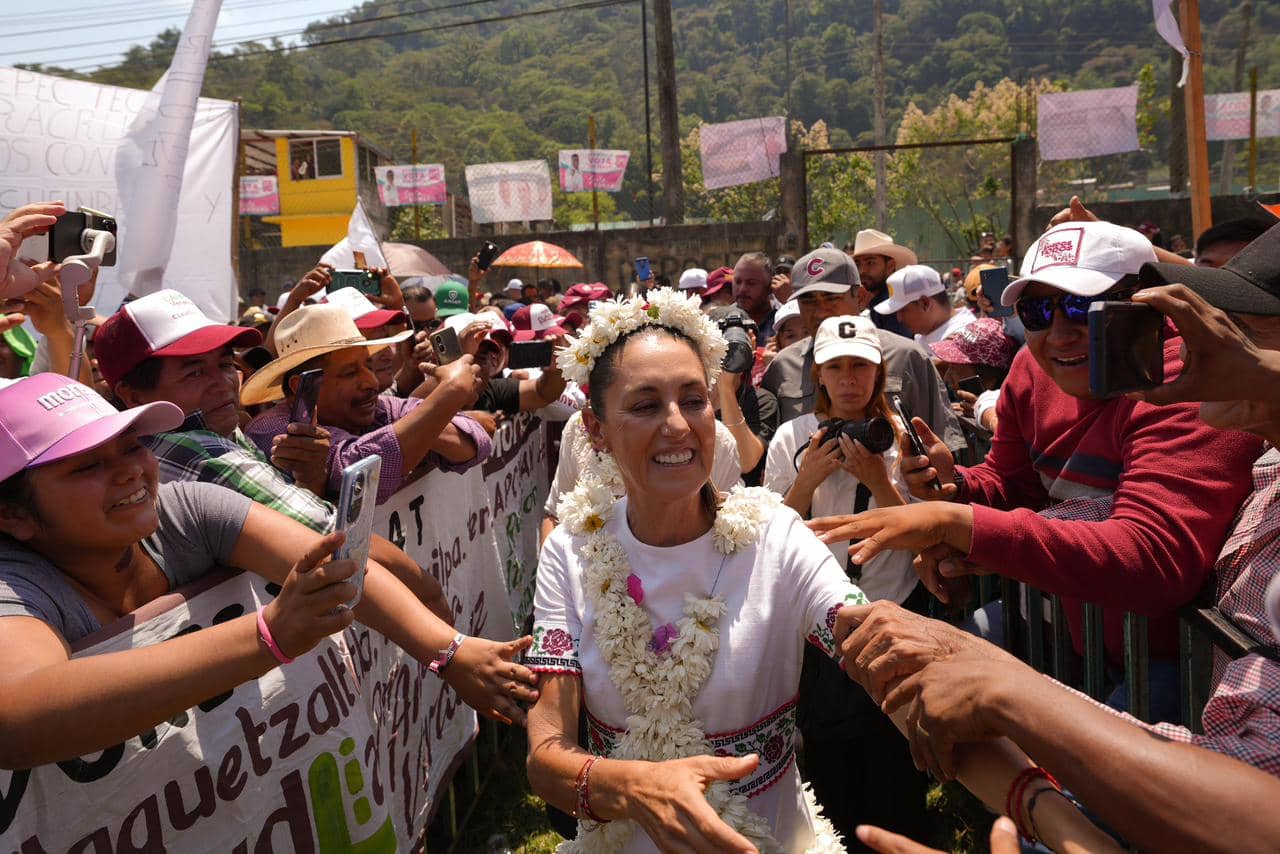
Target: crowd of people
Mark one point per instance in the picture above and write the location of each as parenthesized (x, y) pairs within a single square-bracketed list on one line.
[(753, 625)]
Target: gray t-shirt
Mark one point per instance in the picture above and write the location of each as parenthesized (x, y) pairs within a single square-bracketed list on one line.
[(200, 524)]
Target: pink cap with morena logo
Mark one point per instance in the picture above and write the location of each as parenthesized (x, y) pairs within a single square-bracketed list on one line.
[(165, 323), (541, 322), (47, 417)]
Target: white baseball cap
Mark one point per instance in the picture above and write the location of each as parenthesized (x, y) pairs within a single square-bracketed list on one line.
[(788, 310), (693, 280), (909, 284), (847, 335), (1082, 258), (515, 285)]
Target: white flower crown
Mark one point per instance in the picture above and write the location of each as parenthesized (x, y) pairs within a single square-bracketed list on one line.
[(611, 320)]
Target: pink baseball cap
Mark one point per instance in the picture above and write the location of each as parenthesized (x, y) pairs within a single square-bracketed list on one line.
[(541, 322), (48, 417), (583, 292), (717, 279), (165, 323), (982, 342), (362, 310)]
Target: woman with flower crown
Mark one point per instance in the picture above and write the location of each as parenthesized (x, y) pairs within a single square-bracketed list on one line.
[(675, 617)]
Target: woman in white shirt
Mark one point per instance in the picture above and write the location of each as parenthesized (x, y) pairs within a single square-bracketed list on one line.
[(819, 475)]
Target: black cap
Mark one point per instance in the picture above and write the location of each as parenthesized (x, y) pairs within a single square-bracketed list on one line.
[(1248, 284)]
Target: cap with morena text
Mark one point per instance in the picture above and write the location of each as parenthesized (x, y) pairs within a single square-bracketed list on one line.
[(165, 323), (1082, 258), (47, 417)]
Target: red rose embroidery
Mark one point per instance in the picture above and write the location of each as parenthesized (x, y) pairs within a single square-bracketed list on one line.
[(557, 642), (773, 749)]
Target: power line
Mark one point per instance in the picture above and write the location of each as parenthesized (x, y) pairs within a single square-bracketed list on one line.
[(592, 4)]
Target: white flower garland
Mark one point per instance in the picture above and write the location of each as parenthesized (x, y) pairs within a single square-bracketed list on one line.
[(610, 320), (658, 686)]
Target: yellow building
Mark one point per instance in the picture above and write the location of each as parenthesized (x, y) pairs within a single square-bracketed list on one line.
[(320, 175)]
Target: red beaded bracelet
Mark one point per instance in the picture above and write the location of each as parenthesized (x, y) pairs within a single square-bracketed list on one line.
[(1018, 788), (582, 786)]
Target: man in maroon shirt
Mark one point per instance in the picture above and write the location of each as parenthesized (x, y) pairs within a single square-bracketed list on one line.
[(1113, 502)]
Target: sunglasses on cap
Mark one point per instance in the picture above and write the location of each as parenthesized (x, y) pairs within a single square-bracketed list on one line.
[(1036, 313)]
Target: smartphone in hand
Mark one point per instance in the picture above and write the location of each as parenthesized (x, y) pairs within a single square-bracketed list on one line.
[(446, 344), (488, 252), (529, 354), (304, 399), (917, 445), (994, 282), (356, 502), (1126, 348), (644, 271), (973, 385)]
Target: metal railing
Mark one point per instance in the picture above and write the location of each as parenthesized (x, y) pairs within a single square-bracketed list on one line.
[(1202, 629)]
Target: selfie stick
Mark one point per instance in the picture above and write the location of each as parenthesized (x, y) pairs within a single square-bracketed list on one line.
[(76, 271)]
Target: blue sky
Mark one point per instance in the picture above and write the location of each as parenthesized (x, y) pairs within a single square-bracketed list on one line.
[(81, 33)]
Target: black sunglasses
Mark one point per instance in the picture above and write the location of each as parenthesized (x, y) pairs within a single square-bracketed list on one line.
[(428, 325), (1036, 313)]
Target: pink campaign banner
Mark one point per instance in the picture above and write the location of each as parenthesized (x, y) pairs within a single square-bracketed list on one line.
[(1092, 123), (1226, 116), (742, 152), (419, 184), (259, 195), (586, 169)]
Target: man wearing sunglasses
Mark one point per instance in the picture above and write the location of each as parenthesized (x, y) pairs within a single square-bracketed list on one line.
[(1113, 502), (421, 306)]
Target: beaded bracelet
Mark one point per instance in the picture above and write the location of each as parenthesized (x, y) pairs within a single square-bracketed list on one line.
[(582, 786), (264, 634)]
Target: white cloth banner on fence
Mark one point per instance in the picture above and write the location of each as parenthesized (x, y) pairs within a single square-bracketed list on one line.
[(517, 477), (345, 749), (509, 192), (1226, 116), (150, 163), (1091, 123), (59, 139), (742, 152), (587, 169)]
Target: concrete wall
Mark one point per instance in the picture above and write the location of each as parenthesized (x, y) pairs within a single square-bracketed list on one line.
[(608, 255)]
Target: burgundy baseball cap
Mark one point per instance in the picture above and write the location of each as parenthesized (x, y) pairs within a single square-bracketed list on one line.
[(540, 323), (47, 417), (717, 279), (584, 292), (362, 310), (982, 342), (165, 323)]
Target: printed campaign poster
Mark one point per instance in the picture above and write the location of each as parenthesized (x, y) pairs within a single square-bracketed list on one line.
[(742, 152), (419, 184), (509, 192), (1226, 116), (1072, 125), (586, 169), (259, 195)]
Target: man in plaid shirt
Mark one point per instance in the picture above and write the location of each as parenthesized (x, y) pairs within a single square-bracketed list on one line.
[(162, 347)]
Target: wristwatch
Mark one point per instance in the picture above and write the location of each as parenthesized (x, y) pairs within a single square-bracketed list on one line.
[(445, 658)]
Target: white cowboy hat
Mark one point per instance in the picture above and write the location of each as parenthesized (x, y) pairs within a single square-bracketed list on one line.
[(311, 331), (872, 242)]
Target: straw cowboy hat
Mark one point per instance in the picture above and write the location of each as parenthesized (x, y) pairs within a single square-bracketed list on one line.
[(872, 242), (311, 331)]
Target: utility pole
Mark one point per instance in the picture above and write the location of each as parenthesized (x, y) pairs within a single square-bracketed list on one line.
[(413, 159), (668, 115), (1229, 147), (878, 118), (1197, 146), (648, 112), (595, 197)]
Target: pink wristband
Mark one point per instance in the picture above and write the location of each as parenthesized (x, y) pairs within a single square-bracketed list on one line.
[(265, 634)]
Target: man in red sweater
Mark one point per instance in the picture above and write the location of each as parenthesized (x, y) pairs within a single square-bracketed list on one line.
[(1114, 502)]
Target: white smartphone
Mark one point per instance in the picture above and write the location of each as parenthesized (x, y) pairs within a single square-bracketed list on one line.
[(356, 503)]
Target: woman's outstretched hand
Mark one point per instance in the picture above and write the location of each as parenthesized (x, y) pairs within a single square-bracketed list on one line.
[(668, 801), (1004, 840), (312, 602), (488, 679)]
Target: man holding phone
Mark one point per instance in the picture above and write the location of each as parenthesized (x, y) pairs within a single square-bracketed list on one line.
[(1111, 502)]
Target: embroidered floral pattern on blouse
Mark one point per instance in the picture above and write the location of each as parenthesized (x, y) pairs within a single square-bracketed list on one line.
[(554, 650), (823, 635)]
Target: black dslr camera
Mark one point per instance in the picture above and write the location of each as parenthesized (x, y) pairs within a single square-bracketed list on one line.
[(740, 355), (874, 434)]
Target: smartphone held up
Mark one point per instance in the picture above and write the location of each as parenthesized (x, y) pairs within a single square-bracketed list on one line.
[(1126, 348)]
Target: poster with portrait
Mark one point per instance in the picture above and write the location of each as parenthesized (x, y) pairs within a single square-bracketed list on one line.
[(259, 195), (417, 184), (1226, 116), (509, 192), (586, 169), (742, 152)]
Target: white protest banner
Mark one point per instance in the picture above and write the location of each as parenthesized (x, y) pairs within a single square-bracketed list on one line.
[(509, 192), (1091, 123), (419, 184), (360, 238), (59, 139), (518, 480), (1226, 116), (151, 161), (586, 169), (742, 152), (259, 195)]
